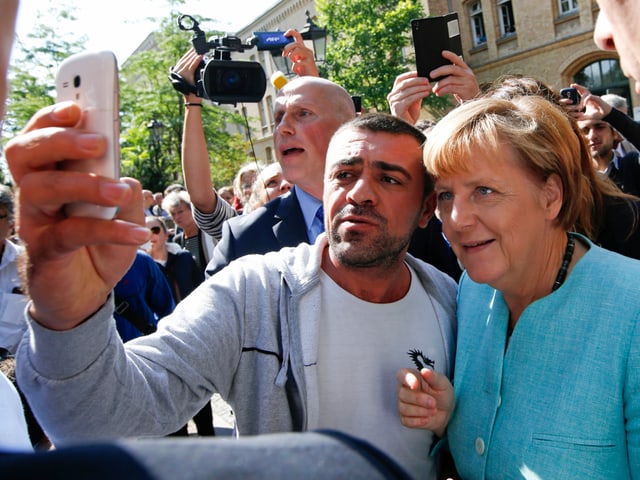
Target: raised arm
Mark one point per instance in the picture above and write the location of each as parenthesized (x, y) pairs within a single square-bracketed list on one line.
[(195, 156), (73, 262), (593, 107)]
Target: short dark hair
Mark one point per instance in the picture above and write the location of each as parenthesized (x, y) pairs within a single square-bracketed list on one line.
[(385, 123)]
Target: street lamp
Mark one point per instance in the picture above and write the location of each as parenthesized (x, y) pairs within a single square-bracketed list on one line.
[(155, 129), (282, 63), (317, 36)]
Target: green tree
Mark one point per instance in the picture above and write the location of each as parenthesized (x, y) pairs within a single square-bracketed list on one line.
[(145, 94), (367, 46), (34, 62)]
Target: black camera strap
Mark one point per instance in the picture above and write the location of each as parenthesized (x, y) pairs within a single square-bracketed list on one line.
[(181, 85), (123, 308)]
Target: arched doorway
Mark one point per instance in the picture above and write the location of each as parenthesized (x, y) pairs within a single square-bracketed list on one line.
[(605, 76)]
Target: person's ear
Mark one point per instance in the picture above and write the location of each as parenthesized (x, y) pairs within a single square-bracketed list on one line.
[(553, 195), (617, 138), (428, 208)]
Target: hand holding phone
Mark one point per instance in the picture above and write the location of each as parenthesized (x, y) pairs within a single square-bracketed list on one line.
[(432, 35), (91, 80), (572, 94)]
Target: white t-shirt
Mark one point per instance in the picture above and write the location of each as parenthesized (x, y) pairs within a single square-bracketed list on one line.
[(362, 345), (12, 305), (14, 435)]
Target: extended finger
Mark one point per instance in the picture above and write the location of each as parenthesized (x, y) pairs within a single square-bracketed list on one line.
[(414, 422), (454, 58), (404, 76), (435, 381), (42, 149), (297, 36), (411, 91), (132, 210), (415, 410), (63, 114), (46, 192), (409, 378)]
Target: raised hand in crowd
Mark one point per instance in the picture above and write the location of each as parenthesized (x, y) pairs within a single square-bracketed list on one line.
[(459, 80), (187, 65), (302, 58), (73, 262), (590, 106), (195, 156), (405, 98), (594, 107)]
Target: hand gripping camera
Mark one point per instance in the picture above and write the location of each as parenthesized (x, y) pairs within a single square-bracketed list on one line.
[(218, 78)]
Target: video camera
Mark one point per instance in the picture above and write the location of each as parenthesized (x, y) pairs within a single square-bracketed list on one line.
[(218, 78)]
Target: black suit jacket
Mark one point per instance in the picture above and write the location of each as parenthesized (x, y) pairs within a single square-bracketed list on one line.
[(428, 244), (275, 225), (627, 174)]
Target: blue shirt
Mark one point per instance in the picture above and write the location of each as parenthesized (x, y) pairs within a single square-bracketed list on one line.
[(309, 206)]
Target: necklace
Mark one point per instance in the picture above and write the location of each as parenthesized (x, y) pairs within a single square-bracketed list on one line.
[(566, 260)]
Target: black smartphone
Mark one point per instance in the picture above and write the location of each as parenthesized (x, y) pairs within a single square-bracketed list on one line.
[(357, 102), (432, 35), (572, 94)]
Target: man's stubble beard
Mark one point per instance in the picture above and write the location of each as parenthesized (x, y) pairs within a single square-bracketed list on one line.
[(367, 251)]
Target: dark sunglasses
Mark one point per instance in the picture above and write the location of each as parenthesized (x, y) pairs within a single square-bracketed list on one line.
[(155, 230)]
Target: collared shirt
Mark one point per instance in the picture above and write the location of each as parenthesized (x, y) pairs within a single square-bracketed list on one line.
[(309, 206), (614, 163)]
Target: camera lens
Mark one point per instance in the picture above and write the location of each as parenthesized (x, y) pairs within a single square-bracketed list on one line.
[(76, 81), (230, 80)]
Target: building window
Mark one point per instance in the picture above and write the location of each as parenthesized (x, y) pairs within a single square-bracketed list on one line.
[(269, 100), (477, 24), (269, 154), (604, 76), (263, 119), (505, 13), (567, 6)]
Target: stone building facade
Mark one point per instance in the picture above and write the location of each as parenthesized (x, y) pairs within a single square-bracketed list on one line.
[(549, 39)]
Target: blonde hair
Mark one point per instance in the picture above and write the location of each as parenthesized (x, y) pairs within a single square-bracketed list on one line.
[(546, 141), (238, 190)]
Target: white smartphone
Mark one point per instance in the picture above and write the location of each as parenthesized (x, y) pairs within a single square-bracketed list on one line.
[(91, 80)]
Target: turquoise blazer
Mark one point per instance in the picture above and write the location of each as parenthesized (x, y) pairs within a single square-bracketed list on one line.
[(562, 400)]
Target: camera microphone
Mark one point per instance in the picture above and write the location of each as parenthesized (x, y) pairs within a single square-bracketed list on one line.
[(278, 80)]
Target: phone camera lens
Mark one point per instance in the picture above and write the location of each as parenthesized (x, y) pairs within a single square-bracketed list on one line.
[(76, 81)]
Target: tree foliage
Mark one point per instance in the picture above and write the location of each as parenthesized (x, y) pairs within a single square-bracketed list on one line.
[(34, 62), (367, 46), (145, 94)]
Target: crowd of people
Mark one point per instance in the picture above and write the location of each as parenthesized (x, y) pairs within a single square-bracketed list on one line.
[(448, 299)]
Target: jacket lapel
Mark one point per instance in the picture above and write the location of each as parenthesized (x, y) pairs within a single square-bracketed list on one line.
[(289, 228)]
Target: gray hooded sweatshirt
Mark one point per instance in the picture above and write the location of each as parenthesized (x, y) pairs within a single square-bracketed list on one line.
[(249, 333)]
